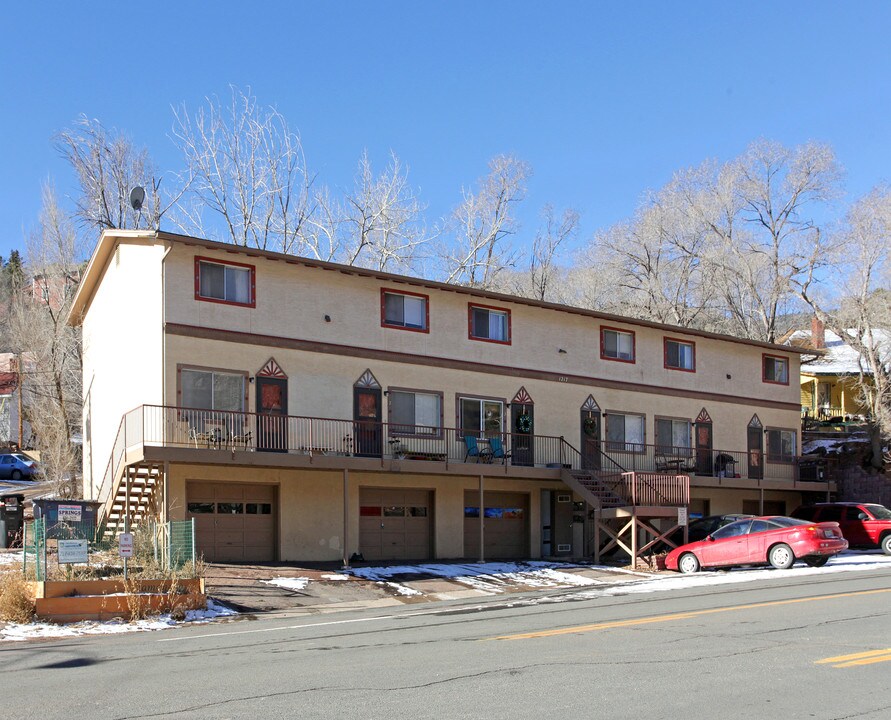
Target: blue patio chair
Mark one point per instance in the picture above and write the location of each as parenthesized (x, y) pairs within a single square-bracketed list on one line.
[(474, 450), (496, 449)]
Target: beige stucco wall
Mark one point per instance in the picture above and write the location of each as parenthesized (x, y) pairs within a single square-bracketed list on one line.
[(122, 350), (310, 506), (292, 301)]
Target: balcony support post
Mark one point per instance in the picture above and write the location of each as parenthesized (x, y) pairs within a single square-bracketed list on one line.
[(482, 523), (346, 519)]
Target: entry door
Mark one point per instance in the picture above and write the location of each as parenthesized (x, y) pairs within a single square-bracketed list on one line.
[(704, 464), (756, 452), (367, 421), (272, 409), (590, 444), (522, 443)]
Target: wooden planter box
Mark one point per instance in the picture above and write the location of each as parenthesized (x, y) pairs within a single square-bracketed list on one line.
[(65, 602)]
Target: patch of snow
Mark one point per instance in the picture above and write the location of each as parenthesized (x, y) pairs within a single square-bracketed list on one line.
[(335, 577), (11, 558), (402, 589), (297, 583)]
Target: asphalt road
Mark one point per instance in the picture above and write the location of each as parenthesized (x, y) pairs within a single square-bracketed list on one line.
[(806, 648)]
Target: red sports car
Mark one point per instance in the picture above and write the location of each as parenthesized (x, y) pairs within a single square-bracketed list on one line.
[(775, 540)]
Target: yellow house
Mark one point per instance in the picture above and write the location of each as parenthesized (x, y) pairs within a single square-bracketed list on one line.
[(303, 410)]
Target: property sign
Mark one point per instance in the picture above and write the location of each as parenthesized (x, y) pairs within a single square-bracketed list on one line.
[(73, 551), (682, 516), (69, 513), (125, 545)]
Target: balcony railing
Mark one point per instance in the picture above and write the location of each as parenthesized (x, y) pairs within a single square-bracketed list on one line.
[(253, 432)]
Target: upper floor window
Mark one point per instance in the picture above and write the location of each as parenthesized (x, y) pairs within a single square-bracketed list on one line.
[(480, 417), (415, 413), (616, 344), (775, 369), (680, 355), (224, 282), (780, 445), (489, 323), (408, 311)]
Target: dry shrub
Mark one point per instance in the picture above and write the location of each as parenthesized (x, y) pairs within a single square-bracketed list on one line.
[(137, 603), (16, 600)]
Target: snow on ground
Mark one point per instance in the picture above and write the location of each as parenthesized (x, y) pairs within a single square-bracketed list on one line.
[(485, 578), (11, 558), (29, 631), (297, 583)]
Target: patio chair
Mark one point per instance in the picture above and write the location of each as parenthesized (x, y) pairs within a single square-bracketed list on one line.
[(474, 450), (496, 448)]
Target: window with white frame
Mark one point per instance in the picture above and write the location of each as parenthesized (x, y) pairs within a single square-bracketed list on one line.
[(616, 345), (625, 432), (483, 418), (415, 413), (224, 282), (781, 445), (490, 324), (775, 369), (212, 390), (673, 436), (403, 310), (680, 355)]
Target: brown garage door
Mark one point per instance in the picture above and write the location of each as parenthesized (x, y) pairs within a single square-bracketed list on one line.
[(506, 523), (233, 522), (395, 524)]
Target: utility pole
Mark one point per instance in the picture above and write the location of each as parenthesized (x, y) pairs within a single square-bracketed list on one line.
[(20, 377)]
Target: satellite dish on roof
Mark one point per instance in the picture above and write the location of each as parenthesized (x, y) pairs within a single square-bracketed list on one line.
[(137, 197)]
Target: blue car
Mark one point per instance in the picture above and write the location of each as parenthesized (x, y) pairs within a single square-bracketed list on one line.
[(15, 466)]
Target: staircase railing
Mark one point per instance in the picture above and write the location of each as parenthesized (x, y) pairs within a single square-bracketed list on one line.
[(130, 433)]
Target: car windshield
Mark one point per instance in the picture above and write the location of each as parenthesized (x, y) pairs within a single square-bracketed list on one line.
[(879, 512), (790, 522)]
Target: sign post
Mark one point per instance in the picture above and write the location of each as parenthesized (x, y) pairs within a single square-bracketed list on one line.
[(125, 548)]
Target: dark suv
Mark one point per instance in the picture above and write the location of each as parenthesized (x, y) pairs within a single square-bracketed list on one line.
[(864, 525)]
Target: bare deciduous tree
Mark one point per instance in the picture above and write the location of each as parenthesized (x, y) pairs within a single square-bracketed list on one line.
[(377, 225), (38, 329), (483, 223), (544, 269), (248, 169), (857, 307), (108, 166)]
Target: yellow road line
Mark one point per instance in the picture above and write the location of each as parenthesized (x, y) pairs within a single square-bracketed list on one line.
[(678, 616), (864, 658)]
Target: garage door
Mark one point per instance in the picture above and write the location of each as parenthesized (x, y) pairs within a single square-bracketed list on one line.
[(506, 523), (395, 524), (233, 522)]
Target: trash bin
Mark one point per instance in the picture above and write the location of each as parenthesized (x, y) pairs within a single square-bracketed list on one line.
[(12, 512)]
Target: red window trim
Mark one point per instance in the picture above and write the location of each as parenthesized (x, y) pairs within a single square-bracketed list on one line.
[(764, 378), (438, 435), (391, 291), (471, 336), (198, 296), (633, 335), (665, 341)]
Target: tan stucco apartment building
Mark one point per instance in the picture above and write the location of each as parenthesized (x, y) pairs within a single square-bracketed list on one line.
[(303, 410)]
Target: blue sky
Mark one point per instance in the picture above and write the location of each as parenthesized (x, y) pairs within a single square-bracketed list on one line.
[(604, 100)]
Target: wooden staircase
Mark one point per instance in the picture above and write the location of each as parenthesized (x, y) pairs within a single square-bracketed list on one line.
[(601, 489), (134, 497)]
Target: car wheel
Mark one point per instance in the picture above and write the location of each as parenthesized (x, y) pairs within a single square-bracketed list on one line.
[(781, 556), (16, 475), (885, 544), (816, 561), (688, 563)]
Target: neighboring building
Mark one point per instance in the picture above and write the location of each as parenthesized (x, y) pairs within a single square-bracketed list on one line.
[(9, 403), (830, 377), (303, 410)]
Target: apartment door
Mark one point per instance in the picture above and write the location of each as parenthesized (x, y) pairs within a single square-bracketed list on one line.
[(272, 410), (590, 443), (367, 421), (522, 440), (755, 446), (704, 460)]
